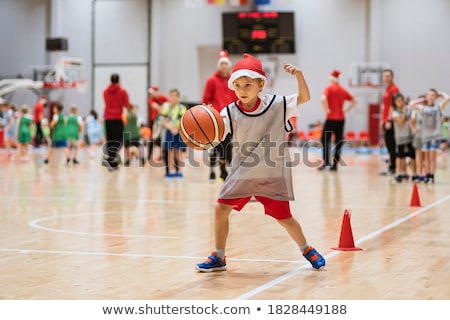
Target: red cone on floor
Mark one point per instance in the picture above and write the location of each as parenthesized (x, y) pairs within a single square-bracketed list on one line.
[(415, 200), (346, 242)]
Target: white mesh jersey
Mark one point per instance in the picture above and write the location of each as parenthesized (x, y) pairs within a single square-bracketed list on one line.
[(403, 134), (431, 123), (261, 162)]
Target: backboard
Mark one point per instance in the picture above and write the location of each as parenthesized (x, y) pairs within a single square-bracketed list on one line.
[(367, 74)]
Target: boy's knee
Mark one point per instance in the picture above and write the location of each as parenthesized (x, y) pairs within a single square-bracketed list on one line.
[(223, 208)]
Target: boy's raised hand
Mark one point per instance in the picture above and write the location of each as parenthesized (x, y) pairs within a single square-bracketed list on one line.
[(289, 68), (303, 90)]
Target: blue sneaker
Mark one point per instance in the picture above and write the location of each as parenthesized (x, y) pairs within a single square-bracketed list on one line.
[(315, 258), (171, 175), (179, 175), (213, 263)]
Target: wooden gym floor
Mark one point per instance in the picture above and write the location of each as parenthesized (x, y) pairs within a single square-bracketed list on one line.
[(81, 232)]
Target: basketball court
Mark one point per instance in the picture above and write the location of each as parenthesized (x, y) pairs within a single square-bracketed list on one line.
[(81, 232)]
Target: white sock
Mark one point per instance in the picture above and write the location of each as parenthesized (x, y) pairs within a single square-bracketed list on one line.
[(220, 253), (304, 247)]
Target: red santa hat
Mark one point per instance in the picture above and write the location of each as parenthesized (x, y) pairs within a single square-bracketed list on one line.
[(153, 88), (223, 57), (249, 66), (334, 76)]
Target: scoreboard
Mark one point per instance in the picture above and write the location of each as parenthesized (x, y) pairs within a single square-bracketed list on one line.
[(258, 32)]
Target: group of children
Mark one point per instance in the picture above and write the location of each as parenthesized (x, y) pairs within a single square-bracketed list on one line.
[(420, 133), (60, 132), (69, 132), (19, 129)]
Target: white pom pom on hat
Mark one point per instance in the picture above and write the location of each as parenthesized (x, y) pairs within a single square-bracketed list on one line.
[(249, 66), (224, 57)]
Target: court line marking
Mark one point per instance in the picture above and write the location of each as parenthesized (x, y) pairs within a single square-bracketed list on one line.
[(369, 236), (134, 255), (361, 206), (90, 199), (35, 224), (305, 266)]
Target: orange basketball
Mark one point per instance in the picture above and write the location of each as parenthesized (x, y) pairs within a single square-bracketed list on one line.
[(202, 127)]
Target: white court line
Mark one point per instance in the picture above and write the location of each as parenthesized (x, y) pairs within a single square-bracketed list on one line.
[(89, 199), (35, 224), (132, 255), (369, 236), (362, 206)]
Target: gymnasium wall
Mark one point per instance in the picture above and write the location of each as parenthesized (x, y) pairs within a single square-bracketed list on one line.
[(411, 35)]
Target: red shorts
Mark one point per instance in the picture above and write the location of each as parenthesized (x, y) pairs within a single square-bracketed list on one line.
[(275, 208)]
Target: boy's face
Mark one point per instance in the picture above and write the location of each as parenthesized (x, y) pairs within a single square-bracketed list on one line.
[(247, 89), (174, 98)]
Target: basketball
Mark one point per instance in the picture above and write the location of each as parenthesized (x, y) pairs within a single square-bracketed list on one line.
[(202, 127)]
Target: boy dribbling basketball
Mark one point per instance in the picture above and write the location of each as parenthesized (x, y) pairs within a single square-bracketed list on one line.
[(259, 127)]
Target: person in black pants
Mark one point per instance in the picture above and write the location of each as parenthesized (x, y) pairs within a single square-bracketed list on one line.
[(389, 140), (388, 127), (37, 119), (333, 99), (218, 95), (116, 98)]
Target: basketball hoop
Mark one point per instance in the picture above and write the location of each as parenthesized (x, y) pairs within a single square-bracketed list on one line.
[(67, 73)]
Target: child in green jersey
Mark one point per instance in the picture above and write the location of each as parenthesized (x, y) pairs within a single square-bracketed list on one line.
[(24, 134), (58, 126)]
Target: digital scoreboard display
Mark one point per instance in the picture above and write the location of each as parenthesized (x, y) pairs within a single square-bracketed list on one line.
[(258, 32)]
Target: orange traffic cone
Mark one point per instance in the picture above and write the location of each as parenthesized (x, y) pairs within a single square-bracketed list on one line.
[(415, 200), (346, 242)]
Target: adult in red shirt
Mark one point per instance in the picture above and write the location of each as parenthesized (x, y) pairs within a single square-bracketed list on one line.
[(155, 101), (333, 100), (116, 99), (38, 115), (217, 94), (388, 128)]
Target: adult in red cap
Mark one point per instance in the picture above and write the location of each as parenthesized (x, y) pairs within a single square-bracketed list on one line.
[(38, 115), (333, 100), (217, 94)]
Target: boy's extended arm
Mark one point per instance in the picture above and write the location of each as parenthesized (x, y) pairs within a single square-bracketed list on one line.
[(303, 90)]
